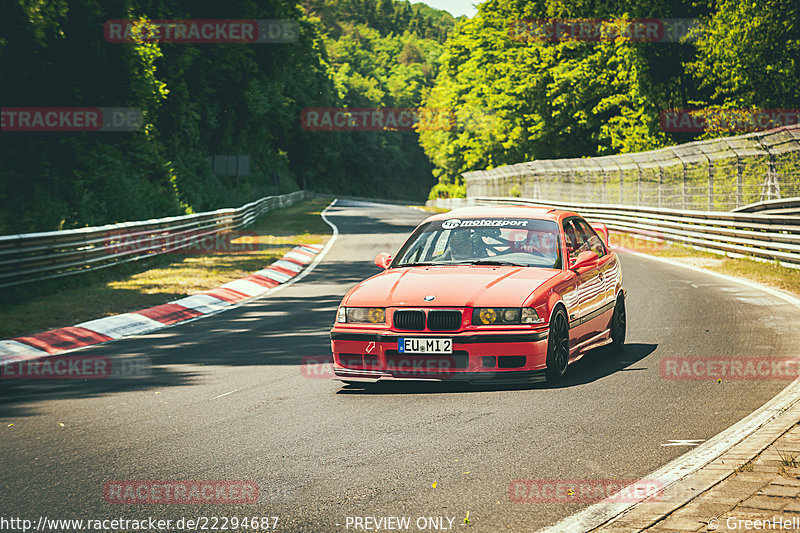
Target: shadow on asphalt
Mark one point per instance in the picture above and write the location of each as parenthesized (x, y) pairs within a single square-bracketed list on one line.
[(594, 365), (358, 226), (277, 330), (274, 331)]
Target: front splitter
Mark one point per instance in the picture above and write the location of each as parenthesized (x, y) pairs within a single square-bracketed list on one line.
[(374, 376)]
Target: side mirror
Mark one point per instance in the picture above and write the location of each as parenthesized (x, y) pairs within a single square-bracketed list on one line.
[(383, 260), (585, 259)]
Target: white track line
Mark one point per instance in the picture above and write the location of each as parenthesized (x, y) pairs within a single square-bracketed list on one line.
[(600, 513), (225, 394), (318, 258)]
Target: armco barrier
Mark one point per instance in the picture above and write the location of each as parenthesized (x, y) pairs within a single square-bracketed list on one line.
[(770, 237), (38, 256), (785, 206)]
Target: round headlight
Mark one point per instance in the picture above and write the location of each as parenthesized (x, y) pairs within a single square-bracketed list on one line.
[(365, 315), (488, 316), (376, 315), (510, 315)]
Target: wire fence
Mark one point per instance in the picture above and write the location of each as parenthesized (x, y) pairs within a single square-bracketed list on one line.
[(714, 175)]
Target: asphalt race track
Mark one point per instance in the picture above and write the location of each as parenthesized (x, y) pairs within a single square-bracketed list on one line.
[(229, 400)]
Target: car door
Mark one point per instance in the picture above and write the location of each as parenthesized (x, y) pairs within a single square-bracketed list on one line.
[(589, 294), (599, 287), (574, 299)]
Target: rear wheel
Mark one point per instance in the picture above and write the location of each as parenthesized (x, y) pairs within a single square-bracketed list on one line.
[(557, 347), (619, 323)]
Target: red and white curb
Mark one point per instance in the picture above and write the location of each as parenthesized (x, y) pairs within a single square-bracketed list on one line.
[(161, 316)]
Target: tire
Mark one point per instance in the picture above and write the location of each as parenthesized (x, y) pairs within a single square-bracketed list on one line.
[(619, 323), (557, 347)]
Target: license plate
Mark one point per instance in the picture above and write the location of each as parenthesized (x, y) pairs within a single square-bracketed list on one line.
[(424, 345)]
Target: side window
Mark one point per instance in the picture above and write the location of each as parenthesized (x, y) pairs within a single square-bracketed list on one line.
[(570, 237), (591, 237), (577, 240)]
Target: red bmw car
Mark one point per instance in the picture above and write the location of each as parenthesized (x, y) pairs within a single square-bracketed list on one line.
[(484, 293)]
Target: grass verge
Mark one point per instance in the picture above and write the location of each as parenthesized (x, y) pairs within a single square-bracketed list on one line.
[(166, 277)]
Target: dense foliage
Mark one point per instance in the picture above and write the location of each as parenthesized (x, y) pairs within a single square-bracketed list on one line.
[(381, 55), (577, 98), (207, 99), (508, 99)]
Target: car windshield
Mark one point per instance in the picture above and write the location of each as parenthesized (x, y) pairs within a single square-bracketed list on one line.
[(495, 241)]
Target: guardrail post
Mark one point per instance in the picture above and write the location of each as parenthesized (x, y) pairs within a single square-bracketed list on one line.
[(683, 185), (572, 187), (773, 187), (710, 185), (767, 186), (603, 193), (638, 184), (739, 169)]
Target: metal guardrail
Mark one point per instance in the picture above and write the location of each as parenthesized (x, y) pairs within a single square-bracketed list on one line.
[(786, 206), (33, 257), (767, 237)]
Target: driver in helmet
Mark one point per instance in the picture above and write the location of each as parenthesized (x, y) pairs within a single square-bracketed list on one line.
[(461, 246)]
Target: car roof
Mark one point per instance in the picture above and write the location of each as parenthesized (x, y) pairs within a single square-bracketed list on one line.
[(505, 211)]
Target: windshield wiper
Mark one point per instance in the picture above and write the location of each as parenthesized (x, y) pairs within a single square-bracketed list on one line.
[(487, 262), (420, 264), (475, 262)]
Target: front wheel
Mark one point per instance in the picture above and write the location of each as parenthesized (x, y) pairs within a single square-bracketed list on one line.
[(557, 347), (619, 323)]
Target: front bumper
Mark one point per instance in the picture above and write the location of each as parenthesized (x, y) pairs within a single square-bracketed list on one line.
[(373, 356)]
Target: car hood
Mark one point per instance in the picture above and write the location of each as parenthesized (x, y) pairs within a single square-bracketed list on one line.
[(452, 286)]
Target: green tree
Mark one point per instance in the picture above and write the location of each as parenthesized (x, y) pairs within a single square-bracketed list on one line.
[(541, 99), (749, 54)]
